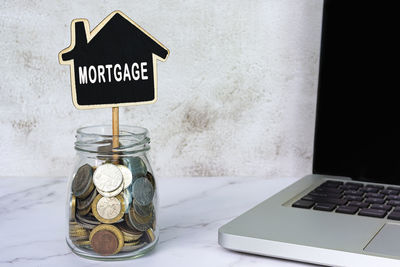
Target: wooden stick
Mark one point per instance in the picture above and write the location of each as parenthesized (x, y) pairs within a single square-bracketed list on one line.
[(115, 132), (115, 127)]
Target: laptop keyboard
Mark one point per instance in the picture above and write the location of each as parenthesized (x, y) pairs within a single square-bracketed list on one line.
[(354, 198)]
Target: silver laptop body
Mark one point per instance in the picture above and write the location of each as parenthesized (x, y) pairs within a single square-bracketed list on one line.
[(356, 140)]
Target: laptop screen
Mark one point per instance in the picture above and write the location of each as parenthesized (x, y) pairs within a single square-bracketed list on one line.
[(357, 124)]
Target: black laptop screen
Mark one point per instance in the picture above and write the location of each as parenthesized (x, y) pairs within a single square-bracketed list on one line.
[(357, 125)]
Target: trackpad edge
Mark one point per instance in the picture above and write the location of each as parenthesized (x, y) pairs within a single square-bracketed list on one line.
[(386, 241)]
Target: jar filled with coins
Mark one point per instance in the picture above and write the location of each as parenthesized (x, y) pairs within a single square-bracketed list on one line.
[(112, 195)]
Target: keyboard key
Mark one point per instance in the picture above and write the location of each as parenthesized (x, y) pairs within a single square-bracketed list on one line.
[(393, 188), (393, 197), (369, 189), (354, 185), (329, 190), (394, 216), (353, 198), (381, 207), (324, 206), (375, 195), (347, 209), (321, 195), (353, 193), (374, 200), (336, 201), (304, 204), (390, 192), (372, 213), (307, 198), (397, 209), (380, 187), (394, 203), (332, 184), (358, 204)]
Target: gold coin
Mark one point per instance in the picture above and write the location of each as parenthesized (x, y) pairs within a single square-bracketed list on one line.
[(106, 210), (85, 211), (81, 242), (134, 243), (105, 232), (73, 208), (150, 235), (77, 233)]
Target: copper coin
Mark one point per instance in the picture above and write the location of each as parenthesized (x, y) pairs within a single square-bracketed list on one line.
[(104, 242)]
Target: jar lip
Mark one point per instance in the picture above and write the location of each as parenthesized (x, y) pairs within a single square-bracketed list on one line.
[(105, 131)]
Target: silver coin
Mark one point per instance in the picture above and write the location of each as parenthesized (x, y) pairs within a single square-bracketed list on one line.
[(113, 193), (107, 177), (85, 203), (109, 207), (89, 219), (82, 180), (126, 175), (143, 210), (106, 151), (143, 191), (137, 166), (87, 225)]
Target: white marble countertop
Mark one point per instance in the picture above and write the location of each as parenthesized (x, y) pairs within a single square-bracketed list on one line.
[(32, 212)]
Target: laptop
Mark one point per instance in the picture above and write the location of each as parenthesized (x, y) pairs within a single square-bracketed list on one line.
[(347, 212)]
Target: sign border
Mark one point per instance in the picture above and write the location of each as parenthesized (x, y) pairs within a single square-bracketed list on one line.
[(90, 35)]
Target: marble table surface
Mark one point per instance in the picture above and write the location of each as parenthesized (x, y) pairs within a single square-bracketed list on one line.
[(32, 212)]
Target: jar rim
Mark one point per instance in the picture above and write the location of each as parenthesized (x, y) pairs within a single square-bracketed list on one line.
[(125, 131), (132, 139)]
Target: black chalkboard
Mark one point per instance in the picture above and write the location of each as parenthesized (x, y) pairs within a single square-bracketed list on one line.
[(113, 65)]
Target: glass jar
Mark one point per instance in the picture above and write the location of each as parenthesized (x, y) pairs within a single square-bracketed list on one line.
[(112, 195)]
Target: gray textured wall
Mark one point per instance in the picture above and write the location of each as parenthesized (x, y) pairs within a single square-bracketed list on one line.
[(236, 96)]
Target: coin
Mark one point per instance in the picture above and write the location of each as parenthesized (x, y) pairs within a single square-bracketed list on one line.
[(150, 235), (113, 193), (138, 222), (151, 179), (82, 243), (104, 152), (128, 247), (108, 210), (136, 166), (129, 233), (73, 207), (89, 219), (128, 222), (143, 210), (143, 191), (126, 174), (142, 219), (106, 239), (107, 177), (84, 211), (85, 203), (77, 232), (82, 184), (87, 226)]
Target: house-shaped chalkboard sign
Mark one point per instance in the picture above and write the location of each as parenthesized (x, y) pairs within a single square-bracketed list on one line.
[(113, 65)]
